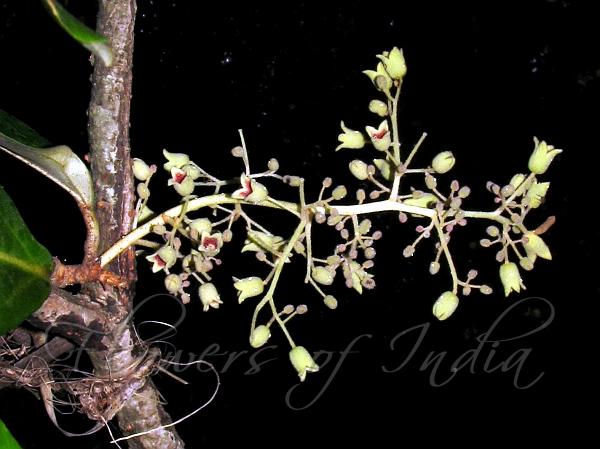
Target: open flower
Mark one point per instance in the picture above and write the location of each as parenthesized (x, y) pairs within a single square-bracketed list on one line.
[(350, 139), (209, 296), (175, 160), (535, 246), (249, 287), (542, 157), (394, 63), (211, 244), (251, 190), (164, 258), (380, 137), (260, 241), (181, 182), (511, 278), (303, 362)]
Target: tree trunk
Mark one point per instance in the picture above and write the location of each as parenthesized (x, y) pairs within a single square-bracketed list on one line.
[(108, 129)]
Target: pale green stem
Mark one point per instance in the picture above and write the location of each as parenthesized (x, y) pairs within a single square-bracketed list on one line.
[(268, 298), (444, 245)]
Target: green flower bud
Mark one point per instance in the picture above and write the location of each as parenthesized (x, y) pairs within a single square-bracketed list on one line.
[(359, 169), (394, 63), (350, 139), (380, 137), (249, 287), (511, 278), (542, 157), (445, 305), (378, 107), (192, 171), (209, 296), (322, 275), (201, 225), (177, 160), (443, 162), (303, 362), (330, 302), (426, 200), (339, 192), (385, 168), (535, 246), (536, 193), (517, 180), (259, 336), (143, 191), (173, 283), (141, 171)]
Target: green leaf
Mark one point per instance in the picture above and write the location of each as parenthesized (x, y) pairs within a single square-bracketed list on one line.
[(80, 32), (25, 268), (6, 439), (59, 163), (17, 130)]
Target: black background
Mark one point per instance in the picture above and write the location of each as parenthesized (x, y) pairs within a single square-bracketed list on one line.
[(483, 79)]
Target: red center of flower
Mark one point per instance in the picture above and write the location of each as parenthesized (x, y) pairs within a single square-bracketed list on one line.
[(179, 177), (159, 261), (247, 188), (380, 134), (210, 243)]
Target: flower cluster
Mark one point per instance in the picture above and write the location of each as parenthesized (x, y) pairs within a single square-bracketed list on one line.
[(190, 242)]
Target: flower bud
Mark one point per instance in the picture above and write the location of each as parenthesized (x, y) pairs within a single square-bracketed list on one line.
[(192, 170), (445, 305), (385, 168), (322, 275), (201, 225), (330, 302), (143, 191), (141, 171), (173, 283), (259, 336), (175, 160), (378, 107), (303, 362), (209, 296), (517, 180), (359, 169), (511, 278), (542, 157), (536, 193), (339, 192), (425, 200), (350, 139), (394, 63), (443, 162), (249, 287), (535, 246)]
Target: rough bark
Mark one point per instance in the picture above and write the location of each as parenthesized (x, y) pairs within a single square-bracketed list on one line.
[(108, 129)]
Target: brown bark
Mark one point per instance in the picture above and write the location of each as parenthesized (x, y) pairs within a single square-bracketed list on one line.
[(108, 129)]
